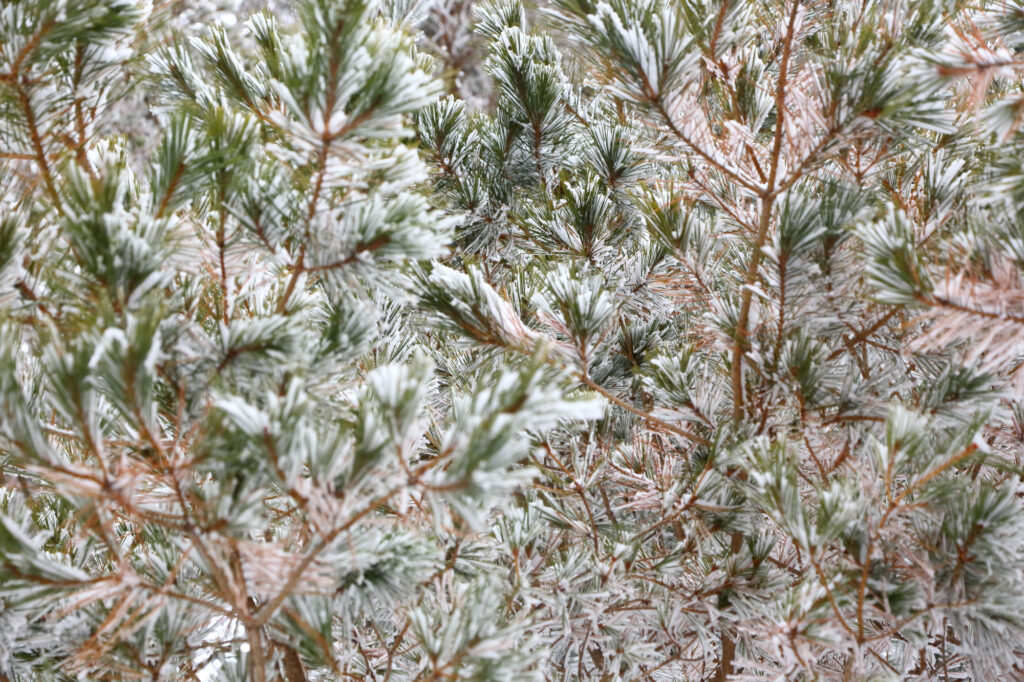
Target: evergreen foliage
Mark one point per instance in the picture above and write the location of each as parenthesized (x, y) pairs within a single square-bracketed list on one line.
[(615, 339)]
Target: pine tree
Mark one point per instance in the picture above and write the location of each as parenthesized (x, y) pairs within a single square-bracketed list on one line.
[(223, 443), (629, 339), (732, 219)]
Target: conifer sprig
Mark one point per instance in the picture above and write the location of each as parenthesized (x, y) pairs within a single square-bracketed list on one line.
[(615, 339)]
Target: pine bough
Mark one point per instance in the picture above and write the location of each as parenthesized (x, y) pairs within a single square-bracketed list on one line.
[(628, 339)]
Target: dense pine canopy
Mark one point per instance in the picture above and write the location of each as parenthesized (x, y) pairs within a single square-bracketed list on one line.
[(511, 339)]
